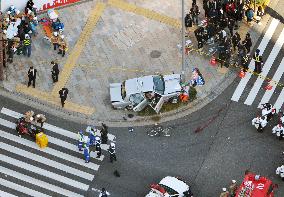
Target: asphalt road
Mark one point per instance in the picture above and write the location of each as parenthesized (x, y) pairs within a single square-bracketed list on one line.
[(208, 160)]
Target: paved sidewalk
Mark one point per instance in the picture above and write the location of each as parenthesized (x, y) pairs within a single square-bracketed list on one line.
[(111, 41)]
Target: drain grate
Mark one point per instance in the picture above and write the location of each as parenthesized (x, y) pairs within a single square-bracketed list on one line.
[(155, 54)]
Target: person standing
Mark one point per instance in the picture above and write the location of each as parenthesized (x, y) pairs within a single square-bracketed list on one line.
[(245, 62), (63, 95), (104, 193), (233, 188), (27, 45), (32, 76), (236, 40), (40, 118), (98, 146), (188, 22), (55, 40), (111, 150), (224, 193), (87, 153), (104, 132), (247, 42), (62, 45), (258, 62), (194, 11), (54, 72)]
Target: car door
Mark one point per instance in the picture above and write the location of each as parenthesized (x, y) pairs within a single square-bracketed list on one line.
[(141, 105)]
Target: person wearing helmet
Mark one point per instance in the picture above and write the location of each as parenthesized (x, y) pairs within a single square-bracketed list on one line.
[(27, 42), (278, 130), (257, 62), (62, 45), (55, 40), (80, 140), (111, 150), (40, 118), (87, 153), (98, 147), (259, 122), (233, 188), (104, 193), (224, 193)]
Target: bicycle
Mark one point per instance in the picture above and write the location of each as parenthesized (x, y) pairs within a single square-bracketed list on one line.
[(159, 130)]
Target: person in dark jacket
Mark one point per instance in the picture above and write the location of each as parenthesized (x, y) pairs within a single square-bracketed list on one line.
[(63, 95), (188, 22), (258, 61), (236, 40), (247, 42), (112, 154), (194, 11), (104, 132), (32, 76), (54, 71)]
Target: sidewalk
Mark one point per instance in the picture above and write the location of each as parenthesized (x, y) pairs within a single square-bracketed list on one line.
[(111, 42)]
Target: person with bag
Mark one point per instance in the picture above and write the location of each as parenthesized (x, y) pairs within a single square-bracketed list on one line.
[(63, 95)]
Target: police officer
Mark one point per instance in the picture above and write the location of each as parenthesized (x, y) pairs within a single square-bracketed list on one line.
[(258, 61), (111, 150), (104, 193), (87, 153), (98, 146), (80, 140)]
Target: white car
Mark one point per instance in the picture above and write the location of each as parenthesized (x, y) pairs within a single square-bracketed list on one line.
[(151, 90), (170, 187)]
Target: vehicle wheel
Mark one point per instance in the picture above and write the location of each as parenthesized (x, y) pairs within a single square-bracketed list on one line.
[(260, 130), (129, 107)]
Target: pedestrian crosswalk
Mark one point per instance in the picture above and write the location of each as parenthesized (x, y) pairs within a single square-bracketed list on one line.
[(250, 89), (58, 170)]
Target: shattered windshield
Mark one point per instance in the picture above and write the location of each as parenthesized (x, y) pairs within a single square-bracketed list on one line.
[(159, 85), (135, 99)]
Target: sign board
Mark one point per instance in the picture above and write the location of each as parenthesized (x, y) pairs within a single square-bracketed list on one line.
[(42, 5)]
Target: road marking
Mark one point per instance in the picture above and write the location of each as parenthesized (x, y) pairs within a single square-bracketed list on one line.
[(44, 172), (46, 161), (280, 100), (268, 64), (5, 194), (36, 182), (146, 13), (21, 188), (93, 18), (50, 127), (48, 150), (277, 76), (268, 35)]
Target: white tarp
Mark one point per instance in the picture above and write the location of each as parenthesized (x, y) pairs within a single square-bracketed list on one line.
[(40, 4)]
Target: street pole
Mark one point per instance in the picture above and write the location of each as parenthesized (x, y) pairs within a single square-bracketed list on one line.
[(183, 43)]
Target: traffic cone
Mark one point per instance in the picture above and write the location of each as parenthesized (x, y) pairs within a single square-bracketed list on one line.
[(269, 86), (242, 74), (213, 61)]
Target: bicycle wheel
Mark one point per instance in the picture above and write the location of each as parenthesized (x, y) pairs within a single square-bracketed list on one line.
[(152, 133)]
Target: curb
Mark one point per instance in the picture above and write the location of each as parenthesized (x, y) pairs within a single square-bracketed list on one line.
[(194, 106)]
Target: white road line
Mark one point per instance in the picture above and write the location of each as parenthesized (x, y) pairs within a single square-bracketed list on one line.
[(280, 100), (36, 182), (276, 77), (50, 127), (268, 64), (22, 189), (44, 172), (56, 141), (46, 161), (268, 35), (48, 150), (5, 194)]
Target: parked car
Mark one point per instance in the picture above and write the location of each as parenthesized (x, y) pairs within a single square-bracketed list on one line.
[(169, 187), (151, 90)]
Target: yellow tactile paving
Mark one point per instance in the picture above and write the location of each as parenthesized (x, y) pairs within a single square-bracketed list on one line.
[(79, 46), (46, 96), (145, 12)]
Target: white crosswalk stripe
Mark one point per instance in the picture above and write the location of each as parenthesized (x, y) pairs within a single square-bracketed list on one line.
[(270, 66), (264, 42), (72, 172)]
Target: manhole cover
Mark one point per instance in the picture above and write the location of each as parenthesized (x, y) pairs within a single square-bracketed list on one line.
[(155, 54)]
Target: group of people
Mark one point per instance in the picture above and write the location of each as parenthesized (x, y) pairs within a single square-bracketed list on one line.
[(231, 192), (266, 115), (222, 21), (93, 140)]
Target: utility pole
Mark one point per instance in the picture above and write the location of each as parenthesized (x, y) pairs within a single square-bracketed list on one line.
[(1, 57), (183, 42)]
